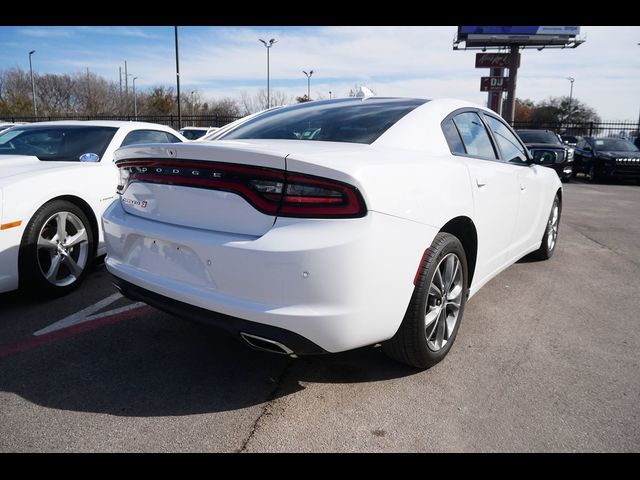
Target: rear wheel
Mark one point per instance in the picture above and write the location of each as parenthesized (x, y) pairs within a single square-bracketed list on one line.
[(56, 250), (431, 322)]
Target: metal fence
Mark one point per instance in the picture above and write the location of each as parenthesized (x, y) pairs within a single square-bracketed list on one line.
[(170, 120), (628, 130)]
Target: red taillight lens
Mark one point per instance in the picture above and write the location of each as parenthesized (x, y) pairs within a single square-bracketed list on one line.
[(271, 191)]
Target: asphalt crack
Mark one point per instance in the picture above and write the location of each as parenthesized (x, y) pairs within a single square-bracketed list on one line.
[(268, 406), (620, 254)]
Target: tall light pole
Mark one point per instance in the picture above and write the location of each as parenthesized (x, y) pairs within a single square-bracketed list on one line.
[(192, 106), (268, 45), (178, 80), (135, 100), (129, 75), (308, 83), (33, 85), (571, 79)]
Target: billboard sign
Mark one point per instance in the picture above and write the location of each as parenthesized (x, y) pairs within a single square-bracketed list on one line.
[(488, 84), (492, 36), (518, 30), (493, 60)]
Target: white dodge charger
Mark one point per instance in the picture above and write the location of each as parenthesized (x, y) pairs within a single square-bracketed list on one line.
[(332, 225), (56, 179)]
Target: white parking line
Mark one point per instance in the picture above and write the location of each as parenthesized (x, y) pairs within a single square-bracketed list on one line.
[(87, 314)]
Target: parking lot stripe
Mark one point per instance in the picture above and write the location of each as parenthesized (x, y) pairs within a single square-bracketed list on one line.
[(80, 316), (71, 331)]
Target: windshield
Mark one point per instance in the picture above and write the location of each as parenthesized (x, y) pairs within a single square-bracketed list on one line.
[(614, 145), (59, 143), (541, 136), (344, 120)]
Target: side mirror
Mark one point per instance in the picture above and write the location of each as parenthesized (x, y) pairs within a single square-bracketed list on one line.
[(588, 148)]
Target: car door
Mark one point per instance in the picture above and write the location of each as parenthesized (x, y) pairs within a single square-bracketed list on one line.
[(530, 187), (495, 190)]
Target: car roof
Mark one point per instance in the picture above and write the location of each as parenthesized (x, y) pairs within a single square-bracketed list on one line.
[(95, 123), (534, 130)]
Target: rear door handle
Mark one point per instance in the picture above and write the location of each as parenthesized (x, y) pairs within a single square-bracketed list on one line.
[(522, 187), (480, 182)]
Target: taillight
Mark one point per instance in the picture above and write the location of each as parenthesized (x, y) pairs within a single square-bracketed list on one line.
[(271, 191)]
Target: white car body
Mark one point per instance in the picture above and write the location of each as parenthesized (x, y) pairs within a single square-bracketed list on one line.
[(340, 283), (26, 184)]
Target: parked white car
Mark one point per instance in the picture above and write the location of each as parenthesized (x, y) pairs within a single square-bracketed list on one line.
[(220, 132), (5, 125), (56, 179), (377, 230), (193, 133)]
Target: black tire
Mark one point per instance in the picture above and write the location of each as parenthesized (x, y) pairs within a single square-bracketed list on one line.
[(596, 175), (33, 261), (546, 249), (410, 344)]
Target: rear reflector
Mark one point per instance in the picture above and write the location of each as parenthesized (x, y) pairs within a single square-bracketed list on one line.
[(415, 278), (270, 191)]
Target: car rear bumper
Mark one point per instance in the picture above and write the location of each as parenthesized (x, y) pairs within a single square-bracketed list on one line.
[(340, 284), (237, 327)]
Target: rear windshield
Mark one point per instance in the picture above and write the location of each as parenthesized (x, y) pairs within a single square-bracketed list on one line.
[(60, 143), (344, 120), (538, 137)]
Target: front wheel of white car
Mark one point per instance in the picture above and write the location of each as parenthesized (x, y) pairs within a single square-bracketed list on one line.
[(433, 317), (57, 249)]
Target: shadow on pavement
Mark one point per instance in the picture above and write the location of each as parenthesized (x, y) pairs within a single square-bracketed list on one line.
[(160, 366)]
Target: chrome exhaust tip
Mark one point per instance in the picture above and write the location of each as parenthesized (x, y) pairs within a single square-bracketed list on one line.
[(266, 345)]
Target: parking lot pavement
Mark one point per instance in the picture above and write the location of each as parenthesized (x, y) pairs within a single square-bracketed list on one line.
[(546, 359)]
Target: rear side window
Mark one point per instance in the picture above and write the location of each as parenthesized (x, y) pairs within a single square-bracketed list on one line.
[(453, 137), (474, 136), (149, 136), (512, 150)]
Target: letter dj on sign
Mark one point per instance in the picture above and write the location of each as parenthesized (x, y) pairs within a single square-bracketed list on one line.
[(494, 83)]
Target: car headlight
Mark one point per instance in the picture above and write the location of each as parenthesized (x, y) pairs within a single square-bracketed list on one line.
[(570, 153)]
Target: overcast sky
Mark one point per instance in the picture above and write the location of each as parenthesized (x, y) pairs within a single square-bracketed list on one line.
[(393, 61)]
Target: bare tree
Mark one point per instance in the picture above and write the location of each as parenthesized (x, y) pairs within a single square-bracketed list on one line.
[(258, 101)]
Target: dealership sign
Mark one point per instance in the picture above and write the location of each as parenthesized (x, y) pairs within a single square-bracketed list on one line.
[(488, 84), (493, 60)]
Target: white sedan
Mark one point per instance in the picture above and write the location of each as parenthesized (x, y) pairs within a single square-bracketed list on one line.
[(377, 230), (56, 179)]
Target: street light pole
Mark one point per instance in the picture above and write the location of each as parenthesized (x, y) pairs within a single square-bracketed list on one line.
[(268, 45), (178, 79), (135, 100), (308, 83), (192, 107), (571, 79), (33, 85), (127, 107)]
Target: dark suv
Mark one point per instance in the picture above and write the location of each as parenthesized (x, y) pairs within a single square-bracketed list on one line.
[(547, 149), (602, 158)]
